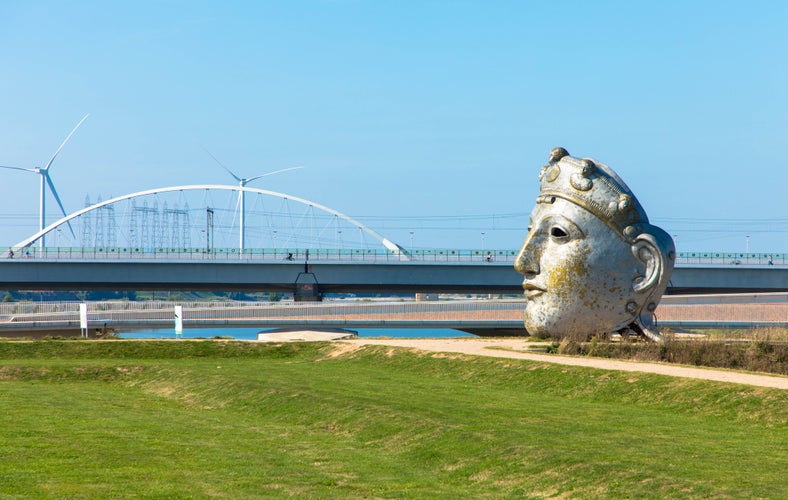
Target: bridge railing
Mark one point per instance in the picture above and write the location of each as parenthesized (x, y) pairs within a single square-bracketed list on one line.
[(352, 255), (265, 254), (733, 258)]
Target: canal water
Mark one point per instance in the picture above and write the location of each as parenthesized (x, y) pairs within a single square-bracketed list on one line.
[(251, 333)]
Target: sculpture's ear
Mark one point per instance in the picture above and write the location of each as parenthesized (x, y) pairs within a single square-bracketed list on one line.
[(647, 250)]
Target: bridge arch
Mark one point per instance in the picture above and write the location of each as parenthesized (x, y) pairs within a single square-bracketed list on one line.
[(388, 244)]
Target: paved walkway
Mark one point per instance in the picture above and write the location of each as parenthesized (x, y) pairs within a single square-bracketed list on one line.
[(514, 349)]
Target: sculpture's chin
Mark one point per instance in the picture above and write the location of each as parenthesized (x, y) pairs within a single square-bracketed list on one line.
[(535, 327), (577, 326), (576, 316), (535, 332)]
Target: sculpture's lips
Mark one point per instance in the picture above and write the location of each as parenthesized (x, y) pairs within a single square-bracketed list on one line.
[(531, 290)]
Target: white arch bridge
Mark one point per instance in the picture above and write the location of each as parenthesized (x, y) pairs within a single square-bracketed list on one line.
[(109, 251), (166, 219)]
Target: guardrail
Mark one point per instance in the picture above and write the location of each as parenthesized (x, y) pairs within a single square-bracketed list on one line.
[(732, 258), (267, 254), (351, 255)]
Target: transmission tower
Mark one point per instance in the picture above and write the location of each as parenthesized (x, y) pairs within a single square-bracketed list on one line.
[(156, 241), (174, 225), (186, 227), (165, 226), (98, 242), (87, 229), (133, 224), (112, 238), (148, 223)]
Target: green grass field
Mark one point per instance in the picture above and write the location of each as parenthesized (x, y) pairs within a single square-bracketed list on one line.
[(189, 419)]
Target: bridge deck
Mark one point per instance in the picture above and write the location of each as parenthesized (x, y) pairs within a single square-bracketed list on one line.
[(339, 276)]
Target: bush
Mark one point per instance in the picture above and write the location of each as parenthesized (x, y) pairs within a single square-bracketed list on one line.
[(570, 347), (758, 354)]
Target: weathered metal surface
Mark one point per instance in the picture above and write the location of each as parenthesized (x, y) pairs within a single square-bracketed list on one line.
[(592, 262)]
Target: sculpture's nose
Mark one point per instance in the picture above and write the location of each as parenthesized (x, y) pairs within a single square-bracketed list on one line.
[(527, 261)]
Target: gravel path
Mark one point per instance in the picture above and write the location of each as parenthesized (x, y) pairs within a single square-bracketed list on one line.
[(514, 349)]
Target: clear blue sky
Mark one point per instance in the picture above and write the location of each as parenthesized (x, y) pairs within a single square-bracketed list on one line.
[(406, 109)]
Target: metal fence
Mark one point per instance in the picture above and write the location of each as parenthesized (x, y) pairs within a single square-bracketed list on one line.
[(352, 255), (735, 259), (160, 311), (265, 254)]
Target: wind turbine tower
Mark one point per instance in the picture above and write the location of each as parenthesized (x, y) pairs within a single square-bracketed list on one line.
[(242, 182), (46, 180)]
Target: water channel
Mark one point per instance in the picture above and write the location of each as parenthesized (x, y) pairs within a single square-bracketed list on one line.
[(251, 333)]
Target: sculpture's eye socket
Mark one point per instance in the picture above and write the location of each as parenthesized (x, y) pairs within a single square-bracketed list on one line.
[(559, 233)]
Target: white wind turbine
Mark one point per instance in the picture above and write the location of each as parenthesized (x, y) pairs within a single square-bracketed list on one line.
[(242, 199), (46, 180)]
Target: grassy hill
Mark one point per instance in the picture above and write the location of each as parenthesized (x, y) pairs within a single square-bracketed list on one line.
[(235, 419)]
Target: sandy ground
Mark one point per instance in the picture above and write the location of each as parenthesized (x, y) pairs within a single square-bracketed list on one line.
[(515, 349), (291, 335)]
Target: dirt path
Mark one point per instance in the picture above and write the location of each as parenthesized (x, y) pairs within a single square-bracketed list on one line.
[(514, 349)]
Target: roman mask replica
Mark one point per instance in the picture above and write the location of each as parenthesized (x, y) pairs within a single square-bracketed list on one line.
[(592, 262)]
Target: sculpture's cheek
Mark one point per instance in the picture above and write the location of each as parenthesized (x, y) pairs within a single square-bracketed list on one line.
[(561, 307), (567, 280)]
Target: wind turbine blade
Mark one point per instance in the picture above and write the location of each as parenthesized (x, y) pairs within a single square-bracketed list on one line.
[(272, 173), (20, 168), (220, 164), (59, 203), (65, 141)]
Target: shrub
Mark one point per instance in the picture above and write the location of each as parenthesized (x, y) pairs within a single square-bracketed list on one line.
[(569, 346), (758, 354)]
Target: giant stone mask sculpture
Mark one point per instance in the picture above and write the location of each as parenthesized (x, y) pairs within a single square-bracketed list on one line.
[(592, 262)]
